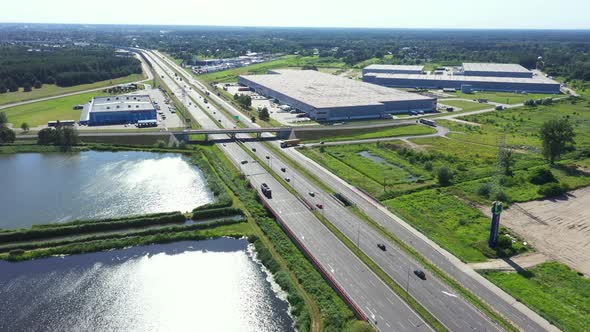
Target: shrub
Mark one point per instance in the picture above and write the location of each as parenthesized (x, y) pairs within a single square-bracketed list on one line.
[(445, 176), (553, 189), (484, 190), (502, 196), (161, 144), (542, 176), (428, 166), (7, 135)]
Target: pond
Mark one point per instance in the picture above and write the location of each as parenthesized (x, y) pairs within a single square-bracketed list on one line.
[(213, 285), (56, 187)]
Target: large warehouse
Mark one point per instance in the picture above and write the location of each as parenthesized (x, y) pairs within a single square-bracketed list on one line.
[(496, 70), (471, 76), (112, 110), (393, 69), (326, 97)]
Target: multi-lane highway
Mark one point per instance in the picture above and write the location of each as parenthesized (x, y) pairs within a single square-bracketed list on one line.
[(450, 309), (369, 294), (447, 306)]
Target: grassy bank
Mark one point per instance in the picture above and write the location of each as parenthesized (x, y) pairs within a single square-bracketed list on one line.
[(359, 134), (553, 290), (50, 90)]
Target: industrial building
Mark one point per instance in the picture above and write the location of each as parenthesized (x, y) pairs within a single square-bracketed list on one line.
[(113, 110), (326, 97), (393, 69), (471, 77), (496, 70)]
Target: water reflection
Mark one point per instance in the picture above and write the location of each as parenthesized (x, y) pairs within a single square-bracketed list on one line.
[(61, 187), (186, 286)]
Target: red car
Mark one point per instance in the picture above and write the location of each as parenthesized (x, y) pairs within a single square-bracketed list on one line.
[(319, 206)]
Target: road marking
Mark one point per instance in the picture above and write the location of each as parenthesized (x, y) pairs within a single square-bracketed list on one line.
[(449, 294)]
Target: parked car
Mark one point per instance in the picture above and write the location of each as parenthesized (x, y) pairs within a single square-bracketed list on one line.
[(420, 274), (381, 246)]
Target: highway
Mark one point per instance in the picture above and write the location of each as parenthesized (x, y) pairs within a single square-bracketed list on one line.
[(371, 296), (454, 312)]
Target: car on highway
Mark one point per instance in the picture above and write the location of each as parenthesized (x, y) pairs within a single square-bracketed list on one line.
[(420, 274), (319, 206), (253, 149), (243, 162), (267, 157), (311, 193), (288, 179), (266, 190), (283, 169), (381, 246)]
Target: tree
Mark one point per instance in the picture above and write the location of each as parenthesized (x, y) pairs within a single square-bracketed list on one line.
[(445, 176), (66, 137), (253, 119), (37, 84), (24, 126), (3, 87), (6, 135), (3, 119), (46, 136), (556, 135), (263, 114), (506, 160), (27, 87)]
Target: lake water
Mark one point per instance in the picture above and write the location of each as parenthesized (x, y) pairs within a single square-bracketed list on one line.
[(56, 187), (213, 285)]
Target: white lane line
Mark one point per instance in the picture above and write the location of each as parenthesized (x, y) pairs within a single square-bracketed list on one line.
[(449, 294)]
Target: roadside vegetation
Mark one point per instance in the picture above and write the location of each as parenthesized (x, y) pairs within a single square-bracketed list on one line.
[(553, 290), (358, 134)]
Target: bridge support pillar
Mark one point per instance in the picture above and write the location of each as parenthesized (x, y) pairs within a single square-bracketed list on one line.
[(206, 137)]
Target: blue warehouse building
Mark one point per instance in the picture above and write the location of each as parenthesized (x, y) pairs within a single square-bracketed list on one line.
[(112, 110), (470, 77)]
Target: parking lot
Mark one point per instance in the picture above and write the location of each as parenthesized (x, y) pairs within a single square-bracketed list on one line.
[(259, 102)]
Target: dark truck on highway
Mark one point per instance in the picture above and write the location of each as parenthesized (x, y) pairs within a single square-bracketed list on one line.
[(266, 190)]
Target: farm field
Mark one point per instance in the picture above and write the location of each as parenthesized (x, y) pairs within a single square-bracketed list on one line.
[(49, 90)]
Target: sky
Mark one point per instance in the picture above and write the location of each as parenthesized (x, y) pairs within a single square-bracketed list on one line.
[(453, 14)]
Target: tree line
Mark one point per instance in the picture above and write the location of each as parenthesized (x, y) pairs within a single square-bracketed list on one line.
[(26, 68)]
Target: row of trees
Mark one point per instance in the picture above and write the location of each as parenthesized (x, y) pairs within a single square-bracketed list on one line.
[(64, 67), (63, 136)]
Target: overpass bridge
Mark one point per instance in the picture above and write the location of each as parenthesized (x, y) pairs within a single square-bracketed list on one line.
[(280, 132)]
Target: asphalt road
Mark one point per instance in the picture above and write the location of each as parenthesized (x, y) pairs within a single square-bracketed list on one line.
[(368, 293), (450, 309)]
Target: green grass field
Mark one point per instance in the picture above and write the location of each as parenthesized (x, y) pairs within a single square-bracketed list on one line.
[(49, 90), (40, 113), (503, 97), (459, 228), (553, 290), (288, 61), (466, 106), (359, 134)]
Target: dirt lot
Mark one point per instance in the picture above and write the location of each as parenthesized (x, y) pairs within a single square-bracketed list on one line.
[(558, 228)]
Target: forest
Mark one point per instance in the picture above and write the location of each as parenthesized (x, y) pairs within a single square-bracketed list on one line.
[(27, 68), (566, 53)]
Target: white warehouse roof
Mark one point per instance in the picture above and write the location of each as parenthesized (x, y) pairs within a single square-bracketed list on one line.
[(395, 67), (321, 90), (494, 67)]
